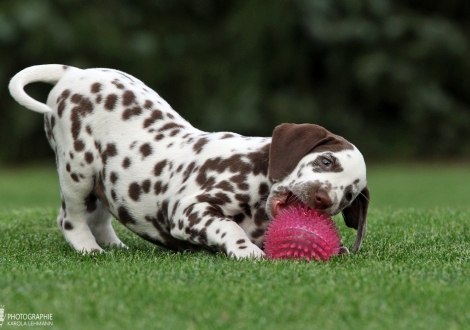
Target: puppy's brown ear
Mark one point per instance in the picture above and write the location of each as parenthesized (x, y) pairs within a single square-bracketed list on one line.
[(291, 142), (355, 216)]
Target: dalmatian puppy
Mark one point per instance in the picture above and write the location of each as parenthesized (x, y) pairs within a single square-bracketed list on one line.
[(122, 151)]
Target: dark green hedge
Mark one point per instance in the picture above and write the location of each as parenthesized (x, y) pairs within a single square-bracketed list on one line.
[(391, 76)]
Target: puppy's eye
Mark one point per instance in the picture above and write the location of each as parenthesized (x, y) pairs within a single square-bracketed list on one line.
[(348, 196), (326, 162)]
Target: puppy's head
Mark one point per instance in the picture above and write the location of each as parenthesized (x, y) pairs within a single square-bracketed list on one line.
[(311, 166)]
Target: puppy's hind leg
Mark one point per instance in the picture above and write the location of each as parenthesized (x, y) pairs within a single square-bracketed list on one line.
[(72, 219), (99, 221)]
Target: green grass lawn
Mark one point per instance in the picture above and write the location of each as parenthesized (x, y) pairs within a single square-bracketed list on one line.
[(413, 271)]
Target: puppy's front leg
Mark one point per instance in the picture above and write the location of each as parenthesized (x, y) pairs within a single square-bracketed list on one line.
[(205, 224)]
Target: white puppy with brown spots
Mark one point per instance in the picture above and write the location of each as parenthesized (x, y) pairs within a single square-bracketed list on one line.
[(122, 151)]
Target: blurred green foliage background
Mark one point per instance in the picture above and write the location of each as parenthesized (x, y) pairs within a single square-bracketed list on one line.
[(393, 77)]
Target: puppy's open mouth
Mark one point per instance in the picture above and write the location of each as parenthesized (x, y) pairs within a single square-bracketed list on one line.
[(284, 201)]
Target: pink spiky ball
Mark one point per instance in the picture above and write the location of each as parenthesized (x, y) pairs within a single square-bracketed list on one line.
[(298, 232)]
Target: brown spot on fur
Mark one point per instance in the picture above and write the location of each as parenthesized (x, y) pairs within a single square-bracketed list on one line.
[(159, 188), (128, 97), (158, 137), (113, 195), (170, 126), (61, 102), (244, 198), (78, 145), (146, 186), (134, 191), (74, 177), (148, 104), (145, 150), (260, 160), (225, 185), (88, 157), (200, 144), (110, 102), (95, 88), (68, 225), (117, 83), (263, 189), (155, 116), (131, 112), (81, 110), (110, 151), (113, 177), (234, 164), (125, 217), (157, 170), (180, 167), (98, 145), (49, 134), (187, 172), (240, 181), (218, 199), (174, 132), (175, 206), (126, 162), (209, 184)]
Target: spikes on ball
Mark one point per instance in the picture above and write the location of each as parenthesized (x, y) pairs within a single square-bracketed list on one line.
[(299, 232)]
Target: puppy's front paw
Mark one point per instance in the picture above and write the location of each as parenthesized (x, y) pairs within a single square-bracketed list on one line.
[(91, 251), (251, 251)]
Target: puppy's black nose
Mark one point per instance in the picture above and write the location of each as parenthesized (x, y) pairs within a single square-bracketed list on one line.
[(321, 200)]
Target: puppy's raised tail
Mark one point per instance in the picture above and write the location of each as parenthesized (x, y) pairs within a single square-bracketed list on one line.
[(48, 73)]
